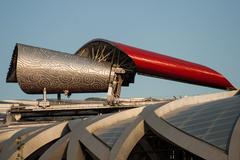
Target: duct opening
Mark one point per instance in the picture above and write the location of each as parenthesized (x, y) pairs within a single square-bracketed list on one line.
[(11, 75)]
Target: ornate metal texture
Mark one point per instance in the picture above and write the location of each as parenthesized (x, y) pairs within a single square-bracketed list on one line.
[(37, 68), (154, 64)]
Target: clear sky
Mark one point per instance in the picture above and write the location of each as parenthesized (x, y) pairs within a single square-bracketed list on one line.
[(201, 31)]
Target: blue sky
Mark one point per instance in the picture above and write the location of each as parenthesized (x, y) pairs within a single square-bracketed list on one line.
[(205, 32)]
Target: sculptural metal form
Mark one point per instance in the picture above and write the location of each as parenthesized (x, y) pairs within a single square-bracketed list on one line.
[(38, 68), (162, 66), (92, 68)]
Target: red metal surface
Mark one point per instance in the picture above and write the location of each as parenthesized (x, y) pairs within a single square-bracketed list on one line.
[(155, 64), (167, 67)]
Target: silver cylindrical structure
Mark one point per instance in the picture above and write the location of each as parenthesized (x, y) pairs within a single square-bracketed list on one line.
[(37, 68)]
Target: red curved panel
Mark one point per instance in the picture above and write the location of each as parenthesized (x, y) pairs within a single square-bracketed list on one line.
[(167, 67)]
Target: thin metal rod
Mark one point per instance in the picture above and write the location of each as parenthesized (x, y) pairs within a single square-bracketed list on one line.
[(44, 94)]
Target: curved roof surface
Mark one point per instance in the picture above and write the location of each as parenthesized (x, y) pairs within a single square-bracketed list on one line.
[(203, 127), (211, 122)]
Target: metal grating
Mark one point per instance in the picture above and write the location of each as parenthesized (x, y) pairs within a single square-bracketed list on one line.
[(212, 122)]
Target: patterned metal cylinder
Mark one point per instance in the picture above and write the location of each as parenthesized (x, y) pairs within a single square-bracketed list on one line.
[(37, 68)]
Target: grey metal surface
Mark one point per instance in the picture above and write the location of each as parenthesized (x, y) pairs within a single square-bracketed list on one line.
[(111, 134), (35, 68), (212, 122)]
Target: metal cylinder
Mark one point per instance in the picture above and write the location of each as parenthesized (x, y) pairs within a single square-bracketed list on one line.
[(37, 68)]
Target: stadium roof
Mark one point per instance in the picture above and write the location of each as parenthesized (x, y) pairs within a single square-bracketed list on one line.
[(198, 127)]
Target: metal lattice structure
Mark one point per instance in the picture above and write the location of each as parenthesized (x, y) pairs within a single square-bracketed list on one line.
[(142, 133)]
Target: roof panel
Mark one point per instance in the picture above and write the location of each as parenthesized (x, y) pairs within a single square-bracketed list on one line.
[(110, 134), (212, 122)]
